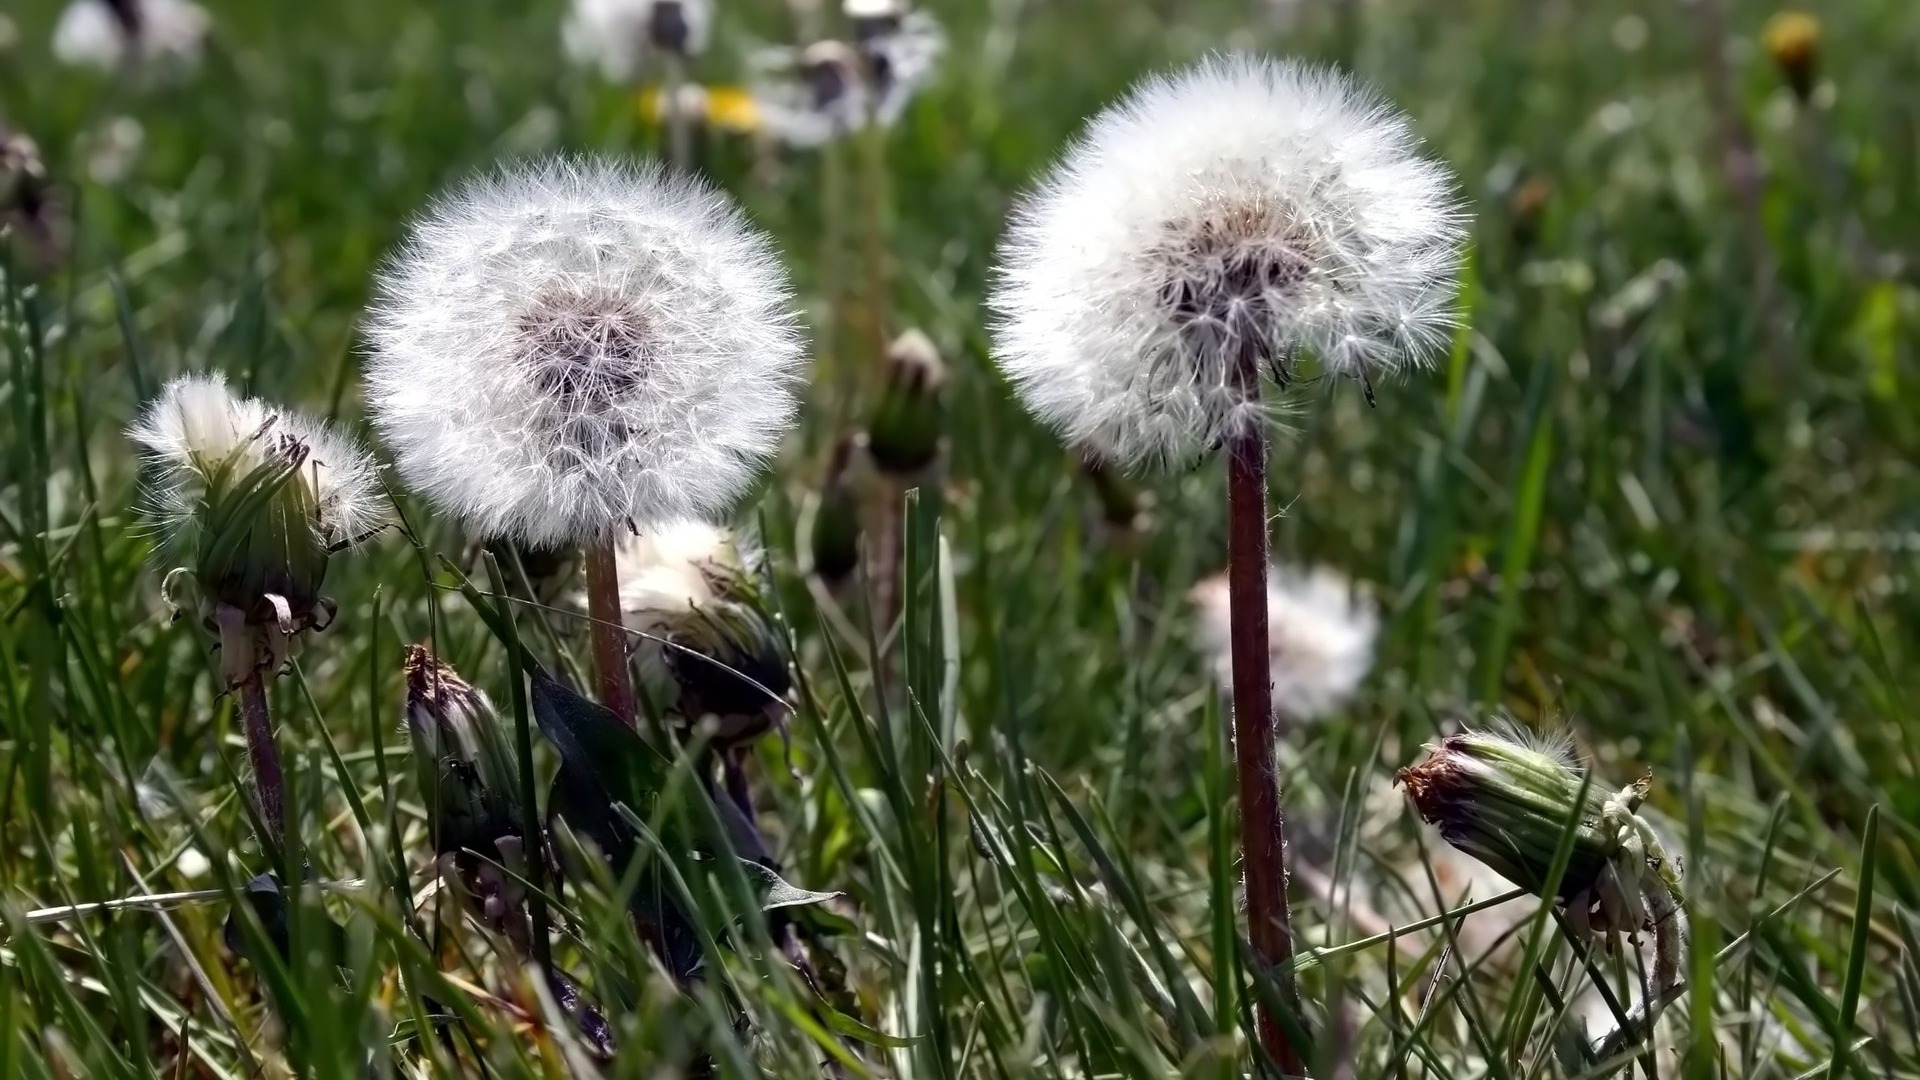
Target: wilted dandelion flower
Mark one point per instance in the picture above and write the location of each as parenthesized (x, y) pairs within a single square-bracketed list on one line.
[(114, 33), (1321, 630), (687, 589), (567, 349), (619, 36), (250, 501), (1243, 205)]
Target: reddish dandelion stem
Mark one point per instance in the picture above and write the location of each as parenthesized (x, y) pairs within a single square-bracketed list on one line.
[(609, 633), (269, 782), (1262, 825)]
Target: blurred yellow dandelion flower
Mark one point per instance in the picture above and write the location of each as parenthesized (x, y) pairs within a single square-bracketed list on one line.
[(1792, 38)]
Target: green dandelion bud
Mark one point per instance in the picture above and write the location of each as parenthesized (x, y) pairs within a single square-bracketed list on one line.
[(465, 756), (834, 539), (904, 430), (251, 502), (470, 778)]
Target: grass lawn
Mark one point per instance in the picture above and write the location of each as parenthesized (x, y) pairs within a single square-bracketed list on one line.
[(1662, 492)]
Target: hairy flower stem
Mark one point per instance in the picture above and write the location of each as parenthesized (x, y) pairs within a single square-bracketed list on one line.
[(609, 632), (1263, 834), (269, 782)]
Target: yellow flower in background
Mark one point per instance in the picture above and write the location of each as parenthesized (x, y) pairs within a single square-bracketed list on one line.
[(724, 108), (1792, 38)]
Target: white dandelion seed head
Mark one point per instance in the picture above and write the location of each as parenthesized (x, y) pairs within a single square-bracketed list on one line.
[(618, 37), (91, 33), (1320, 632), (902, 60), (1244, 203), (566, 349), (197, 425)]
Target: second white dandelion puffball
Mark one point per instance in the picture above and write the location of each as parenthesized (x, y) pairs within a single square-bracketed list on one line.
[(1243, 204), (565, 350), (1320, 636)]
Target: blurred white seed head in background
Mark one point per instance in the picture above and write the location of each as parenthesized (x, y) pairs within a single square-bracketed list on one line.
[(566, 349), (1242, 203), (94, 33), (1320, 632), (619, 37)]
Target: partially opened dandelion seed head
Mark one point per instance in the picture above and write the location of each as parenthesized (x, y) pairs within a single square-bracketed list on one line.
[(250, 502), (567, 349), (1242, 205), (200, 438)]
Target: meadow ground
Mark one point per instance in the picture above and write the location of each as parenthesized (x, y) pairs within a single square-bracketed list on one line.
[(1662, 493)]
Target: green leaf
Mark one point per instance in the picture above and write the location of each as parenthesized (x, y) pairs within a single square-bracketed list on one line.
[(778, 892)]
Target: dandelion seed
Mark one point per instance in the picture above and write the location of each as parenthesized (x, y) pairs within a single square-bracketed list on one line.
[(1321, 632), (620, 37), (111, 34), (567, 349), (1245, 204)]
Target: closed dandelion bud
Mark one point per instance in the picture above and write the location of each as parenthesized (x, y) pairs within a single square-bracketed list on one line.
[(904, 432), (728, 664), (1792, 38), (1528, 206), (26, 201), (468, 772), (1123, 505), (835, 536), (470, 780), (251, 502), (551, 570), (1507, 804)]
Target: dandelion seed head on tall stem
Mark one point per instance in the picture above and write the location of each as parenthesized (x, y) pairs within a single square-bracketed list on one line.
[(565, 350), (1244, 204)]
